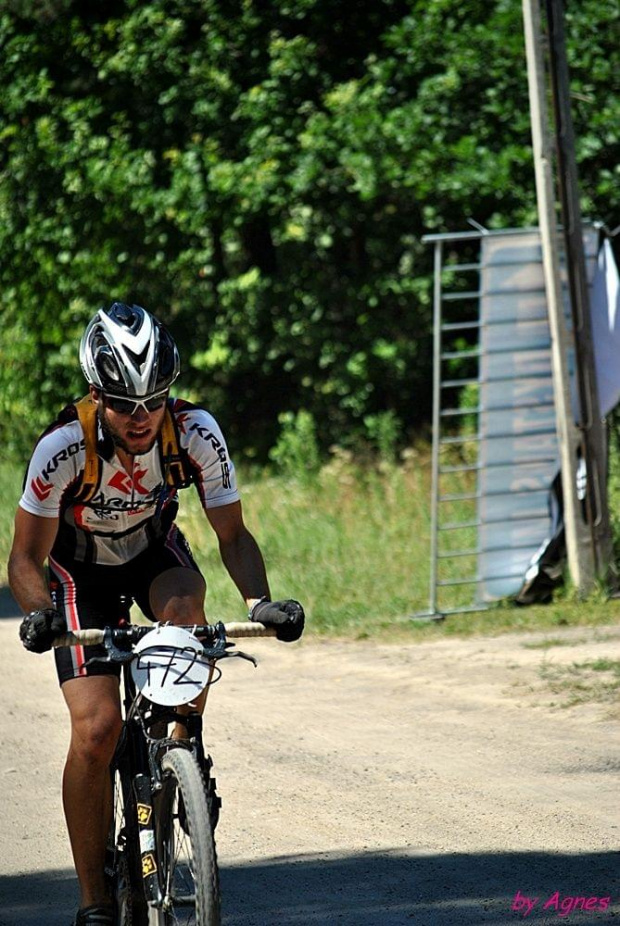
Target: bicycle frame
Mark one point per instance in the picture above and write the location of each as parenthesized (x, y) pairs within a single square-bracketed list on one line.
[(138, 760), (151, 771)]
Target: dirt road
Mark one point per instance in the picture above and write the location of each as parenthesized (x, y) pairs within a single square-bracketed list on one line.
[(362, 784)]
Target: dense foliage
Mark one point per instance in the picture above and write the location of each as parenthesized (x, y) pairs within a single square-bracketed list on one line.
[(260, 176)]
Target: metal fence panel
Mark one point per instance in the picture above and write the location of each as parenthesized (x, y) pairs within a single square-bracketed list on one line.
[(494, 435)]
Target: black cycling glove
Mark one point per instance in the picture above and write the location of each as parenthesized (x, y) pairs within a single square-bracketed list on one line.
[(39, 629), (286, 616)]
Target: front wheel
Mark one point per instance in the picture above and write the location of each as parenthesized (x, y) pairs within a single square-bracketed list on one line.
[(189, 877)]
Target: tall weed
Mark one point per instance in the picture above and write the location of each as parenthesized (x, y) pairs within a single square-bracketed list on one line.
[(352, 543), (296, 453), (384, 430), (10, 491)]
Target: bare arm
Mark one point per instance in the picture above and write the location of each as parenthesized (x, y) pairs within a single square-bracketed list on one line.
[(239, 551), (32, 542)]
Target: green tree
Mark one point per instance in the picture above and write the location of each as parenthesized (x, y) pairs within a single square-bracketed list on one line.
[(260, 176)]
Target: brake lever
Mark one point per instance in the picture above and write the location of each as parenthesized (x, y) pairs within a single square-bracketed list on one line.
[(241, 655), (222, 647), (114, 654)]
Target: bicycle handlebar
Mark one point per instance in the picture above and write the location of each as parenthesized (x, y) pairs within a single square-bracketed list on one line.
[(79, 638), (134, 632)]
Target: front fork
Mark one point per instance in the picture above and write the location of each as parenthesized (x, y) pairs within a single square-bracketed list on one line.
[(146, 836), (146, 787)]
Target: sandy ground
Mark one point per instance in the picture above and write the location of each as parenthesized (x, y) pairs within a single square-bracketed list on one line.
[(362, 784)]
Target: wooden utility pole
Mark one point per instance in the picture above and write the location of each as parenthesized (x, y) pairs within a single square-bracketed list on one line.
[(594, 444), (578, 539)]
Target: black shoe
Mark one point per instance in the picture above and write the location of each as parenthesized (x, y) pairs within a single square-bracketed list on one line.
[(96, 915)]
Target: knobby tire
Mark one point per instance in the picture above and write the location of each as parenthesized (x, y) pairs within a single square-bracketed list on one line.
[(185, 842)]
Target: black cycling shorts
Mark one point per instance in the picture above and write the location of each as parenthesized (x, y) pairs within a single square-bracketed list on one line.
[(91, 596)]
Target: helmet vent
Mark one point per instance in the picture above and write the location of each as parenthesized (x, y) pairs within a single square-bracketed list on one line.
[(138, 360), (105, 361), (127, 316)]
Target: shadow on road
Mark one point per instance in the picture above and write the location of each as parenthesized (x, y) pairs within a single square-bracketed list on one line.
[(43, 899), (8, 605), (382, 889), (389, 889)]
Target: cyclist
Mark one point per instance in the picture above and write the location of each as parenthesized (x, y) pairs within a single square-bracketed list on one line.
[(99, 506)]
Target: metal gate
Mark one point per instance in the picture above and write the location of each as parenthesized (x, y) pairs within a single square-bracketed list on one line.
[(495, 450)]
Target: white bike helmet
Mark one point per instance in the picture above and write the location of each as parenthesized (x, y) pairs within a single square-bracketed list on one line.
[(125, 351)]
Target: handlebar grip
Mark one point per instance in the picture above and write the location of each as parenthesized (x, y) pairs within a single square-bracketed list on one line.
[(80, 638), (249, 629)]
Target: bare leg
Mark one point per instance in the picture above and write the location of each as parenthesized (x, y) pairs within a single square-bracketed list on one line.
[(178, 596), (94, 705)]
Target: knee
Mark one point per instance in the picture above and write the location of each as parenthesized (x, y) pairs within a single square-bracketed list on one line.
[(94, 738), (184, 610), (178, 595)]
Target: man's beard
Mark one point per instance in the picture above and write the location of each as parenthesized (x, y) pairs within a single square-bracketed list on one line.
[(116, 438)]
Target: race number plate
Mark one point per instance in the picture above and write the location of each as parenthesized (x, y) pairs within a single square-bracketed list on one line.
[(170, 668)]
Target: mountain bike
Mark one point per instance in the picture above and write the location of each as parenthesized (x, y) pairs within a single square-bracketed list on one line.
[(161, 861)]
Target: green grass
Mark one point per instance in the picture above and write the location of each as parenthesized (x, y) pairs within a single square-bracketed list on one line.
[(551, 642), (10, 491), (353, 545), (596, 681)]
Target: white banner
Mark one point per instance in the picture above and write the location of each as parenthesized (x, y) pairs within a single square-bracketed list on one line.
[(518, 448)]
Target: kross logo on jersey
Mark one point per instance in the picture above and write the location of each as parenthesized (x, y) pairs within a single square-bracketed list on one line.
[(208, 435), (40, 488), (62, 456), (125, 483)]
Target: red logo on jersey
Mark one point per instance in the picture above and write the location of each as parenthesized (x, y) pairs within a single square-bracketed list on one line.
[(41, 489), (181, 419), (123, 482)]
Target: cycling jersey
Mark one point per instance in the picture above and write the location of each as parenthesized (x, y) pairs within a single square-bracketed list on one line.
[(128, 511)]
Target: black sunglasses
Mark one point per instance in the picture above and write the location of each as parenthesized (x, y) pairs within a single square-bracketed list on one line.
[(130, 406)]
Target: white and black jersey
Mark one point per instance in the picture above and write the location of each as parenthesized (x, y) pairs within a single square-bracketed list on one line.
[(127, 512)]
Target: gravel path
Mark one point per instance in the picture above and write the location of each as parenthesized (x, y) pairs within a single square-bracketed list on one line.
[(362, 784)]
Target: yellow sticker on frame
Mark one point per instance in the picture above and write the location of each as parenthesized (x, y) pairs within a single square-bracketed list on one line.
[(149, 865), (144, 814)]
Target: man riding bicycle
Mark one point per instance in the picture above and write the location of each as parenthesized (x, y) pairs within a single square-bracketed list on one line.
[(99, 505)]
